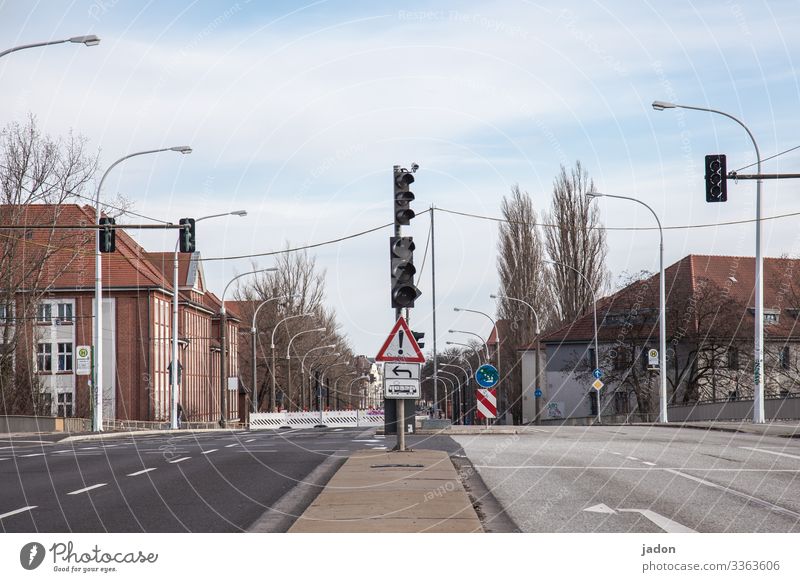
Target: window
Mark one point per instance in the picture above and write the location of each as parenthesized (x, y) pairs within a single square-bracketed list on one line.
[(64, 404), (733, 358), (784, 358), (6, 313), (65, 313), (44, 357), (770, 317), (622, 361), (591, 355), (65, 357), (44, 313)]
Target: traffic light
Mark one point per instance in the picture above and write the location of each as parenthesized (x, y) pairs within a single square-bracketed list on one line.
[(107, 241), (716, 178), (187, 235), (403, 196), (402, 255), (418, 337)]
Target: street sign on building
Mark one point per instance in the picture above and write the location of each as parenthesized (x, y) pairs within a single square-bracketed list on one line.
[(83, 361), (400, 346), (538, 393)]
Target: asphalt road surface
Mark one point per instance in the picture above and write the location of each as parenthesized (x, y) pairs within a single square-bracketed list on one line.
[(192, 482), (641, 479)]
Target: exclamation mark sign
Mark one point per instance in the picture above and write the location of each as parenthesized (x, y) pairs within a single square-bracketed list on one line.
[(400, 339)]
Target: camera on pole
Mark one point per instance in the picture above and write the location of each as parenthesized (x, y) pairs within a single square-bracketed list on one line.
[(716, 178), (404, 292)]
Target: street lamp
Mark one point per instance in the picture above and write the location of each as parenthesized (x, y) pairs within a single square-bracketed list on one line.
[(323, 369), (474, 351), (303, 369), (350, 388), (272, 348), (537, 400), (97, 380), (483, 341), (758, 396), (503, 396), (288, 356), (662, 323), (88, 40), (461, 389), (223, 364), (173, 415), (456, 388), (254, 333)]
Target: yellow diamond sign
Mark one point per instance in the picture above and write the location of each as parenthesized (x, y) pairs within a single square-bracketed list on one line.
[(597, 384)]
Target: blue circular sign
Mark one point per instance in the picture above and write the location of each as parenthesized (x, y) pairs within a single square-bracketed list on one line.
[(598, 373), (487, 376), (538, 393)]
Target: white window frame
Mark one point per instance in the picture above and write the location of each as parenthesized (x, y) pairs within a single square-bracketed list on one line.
[(46, 354), (44, 313), (61, 313), (66, 353)]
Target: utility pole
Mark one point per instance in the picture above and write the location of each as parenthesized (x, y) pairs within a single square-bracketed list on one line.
[(433, 301)]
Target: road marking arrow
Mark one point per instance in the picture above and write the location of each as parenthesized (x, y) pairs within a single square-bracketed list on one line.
[(600, 508), (664, 523)]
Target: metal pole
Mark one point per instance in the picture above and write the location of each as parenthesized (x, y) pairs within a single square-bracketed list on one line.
[(90, 40), (174, 379), (433, 301), (758, 340), (662, 320)]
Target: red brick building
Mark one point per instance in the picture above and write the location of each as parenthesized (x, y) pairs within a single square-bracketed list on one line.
[(137, 322)]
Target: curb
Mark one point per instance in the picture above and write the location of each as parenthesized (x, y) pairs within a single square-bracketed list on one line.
[(120, 434)]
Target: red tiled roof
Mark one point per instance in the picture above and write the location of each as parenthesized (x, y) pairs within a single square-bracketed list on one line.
[(734, 276)]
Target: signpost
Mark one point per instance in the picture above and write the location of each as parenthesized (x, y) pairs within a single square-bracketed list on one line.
[(652, 360), (83, 361), (598, 373), (402, 358), (487, 376)]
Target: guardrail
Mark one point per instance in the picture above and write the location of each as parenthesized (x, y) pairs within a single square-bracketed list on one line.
[(336, 418)]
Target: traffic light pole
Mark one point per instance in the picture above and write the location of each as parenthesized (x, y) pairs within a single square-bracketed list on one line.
[(400, 408), (433, 301)]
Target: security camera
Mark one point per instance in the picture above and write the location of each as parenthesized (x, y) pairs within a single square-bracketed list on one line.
[(414, 167)]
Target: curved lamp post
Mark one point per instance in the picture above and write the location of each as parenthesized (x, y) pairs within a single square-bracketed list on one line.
[(303, 370), (758, 379), (288, 355), (503, 397), (223, 361), (662, 325), (88, 40), (272, 348), (462, 388), (483, 341), (97, 379), (174, 420)]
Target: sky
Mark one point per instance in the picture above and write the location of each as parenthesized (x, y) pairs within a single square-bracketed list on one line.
[(297, 112)]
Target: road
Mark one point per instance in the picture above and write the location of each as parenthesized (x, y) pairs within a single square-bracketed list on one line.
[(641, 479), (190, 482)]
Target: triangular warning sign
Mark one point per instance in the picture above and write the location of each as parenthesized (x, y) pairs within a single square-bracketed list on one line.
[(400, 346)]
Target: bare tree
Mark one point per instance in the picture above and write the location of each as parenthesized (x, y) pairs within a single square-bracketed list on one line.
[(575, 240), (37, 175), (523, 276)]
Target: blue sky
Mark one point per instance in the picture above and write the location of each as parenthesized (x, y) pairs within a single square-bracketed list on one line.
[(297, 113)]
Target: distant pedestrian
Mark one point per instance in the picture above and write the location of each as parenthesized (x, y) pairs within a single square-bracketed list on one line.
[(181, 415)]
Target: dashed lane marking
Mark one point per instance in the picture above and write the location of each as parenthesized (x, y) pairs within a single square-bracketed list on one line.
[(771, 452), (16, 511), (181, 460), (85, 489), (208, 451), (142, 472)]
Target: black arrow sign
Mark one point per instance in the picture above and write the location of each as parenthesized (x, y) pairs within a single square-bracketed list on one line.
[(397, 371)]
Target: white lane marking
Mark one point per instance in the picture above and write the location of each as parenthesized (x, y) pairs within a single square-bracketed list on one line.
[(141, 472), (16, 511), (632, 458), (366, 441), (771, 452), (85, 489), (601, 468), (378, 448), (5, 459), (249, 440), (745, 496), (209, 451), (618, 454), (34, 455), (649, 464), (661, 521), (86, 448), (109, 446), (182, 459), (229, 446)]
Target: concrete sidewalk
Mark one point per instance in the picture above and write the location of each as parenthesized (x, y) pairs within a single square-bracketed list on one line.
[(392, 492)]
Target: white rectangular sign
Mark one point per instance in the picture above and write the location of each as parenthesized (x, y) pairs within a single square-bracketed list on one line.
[(83, 360), (233, 383), (401, 371), (394, 388)]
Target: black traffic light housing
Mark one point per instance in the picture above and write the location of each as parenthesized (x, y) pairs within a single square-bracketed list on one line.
[(716, 178), (418, 337), (401, 250), (403, 196), (107, 241), (187, 235)]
